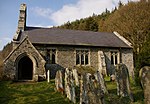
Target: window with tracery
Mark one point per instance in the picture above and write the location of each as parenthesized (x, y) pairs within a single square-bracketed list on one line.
[(51, 56), (82, 57), (114, 58)]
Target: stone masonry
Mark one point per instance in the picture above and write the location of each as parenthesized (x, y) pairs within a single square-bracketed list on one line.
[(25, 48)]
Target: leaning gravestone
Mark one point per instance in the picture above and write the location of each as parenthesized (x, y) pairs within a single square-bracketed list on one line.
[(122, 79), (145, 81), (59, 81), (101, 83)]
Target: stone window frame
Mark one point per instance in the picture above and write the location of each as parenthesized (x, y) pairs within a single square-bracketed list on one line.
[(51, 53), (114, 54), (84, 57)]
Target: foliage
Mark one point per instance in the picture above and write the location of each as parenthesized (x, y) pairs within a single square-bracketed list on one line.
[(143, 58), (85, 69), (30, 92), (144, 54), (131, 21), (91, 23), (3, 54)]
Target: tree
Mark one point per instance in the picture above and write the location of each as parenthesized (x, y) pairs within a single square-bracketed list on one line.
[(131, 21), (91, 24)]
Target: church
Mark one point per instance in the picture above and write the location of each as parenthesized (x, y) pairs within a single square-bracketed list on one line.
[(38, 50)]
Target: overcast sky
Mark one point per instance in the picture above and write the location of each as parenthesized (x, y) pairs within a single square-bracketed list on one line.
[(48, 13)]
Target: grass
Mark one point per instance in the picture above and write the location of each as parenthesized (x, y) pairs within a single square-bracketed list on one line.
[(44, 93), (29, 92)]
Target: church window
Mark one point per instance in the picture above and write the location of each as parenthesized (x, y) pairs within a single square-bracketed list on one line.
[(51, 56), (114, 58), (82, 57)]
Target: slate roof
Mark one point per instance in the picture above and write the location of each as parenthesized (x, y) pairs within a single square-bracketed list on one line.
[(59, 36)]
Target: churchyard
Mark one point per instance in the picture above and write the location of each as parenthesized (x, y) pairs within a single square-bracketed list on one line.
[(44, 93)]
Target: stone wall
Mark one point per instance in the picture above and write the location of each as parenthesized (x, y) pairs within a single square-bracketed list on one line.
[(127, 59), (94, 58), (25, 48), (66, 57)]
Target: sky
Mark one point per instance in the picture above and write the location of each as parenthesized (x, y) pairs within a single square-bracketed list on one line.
[(48, 13)]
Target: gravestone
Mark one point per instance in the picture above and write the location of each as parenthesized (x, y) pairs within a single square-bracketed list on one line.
[(84, 87), (76, 77), (69, 85), (101, 83), (59, 82), (72, 87), (90, 90), (122, 80), (95, 93), (145, 81)]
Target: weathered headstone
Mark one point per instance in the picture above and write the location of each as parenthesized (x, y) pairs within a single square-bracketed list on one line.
[(84, 87), (90, 90), (101, 83), (81, 89), (122, 79), (95, 93), (145, 81), (72, 88), (76, 77), (59, 81), (69, 85)]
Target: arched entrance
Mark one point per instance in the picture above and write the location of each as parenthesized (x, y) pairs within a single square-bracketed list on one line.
[(25, 68)]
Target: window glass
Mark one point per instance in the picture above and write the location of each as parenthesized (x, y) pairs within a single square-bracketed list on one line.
[(77, 59), (51, 56), (82, 57), (86, 59), (114, 58)]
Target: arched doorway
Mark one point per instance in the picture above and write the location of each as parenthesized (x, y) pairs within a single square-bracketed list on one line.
[(25, 68)]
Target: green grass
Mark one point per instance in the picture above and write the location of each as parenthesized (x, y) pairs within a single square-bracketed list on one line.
[(30, 93), (44, 93)]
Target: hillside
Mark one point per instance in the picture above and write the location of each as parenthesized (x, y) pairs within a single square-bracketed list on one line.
[(3, 54)]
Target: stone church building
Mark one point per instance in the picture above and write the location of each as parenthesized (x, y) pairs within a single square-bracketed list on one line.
[(38, 49)]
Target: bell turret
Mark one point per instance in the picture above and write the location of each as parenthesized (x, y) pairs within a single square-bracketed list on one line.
[(22, 17)]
